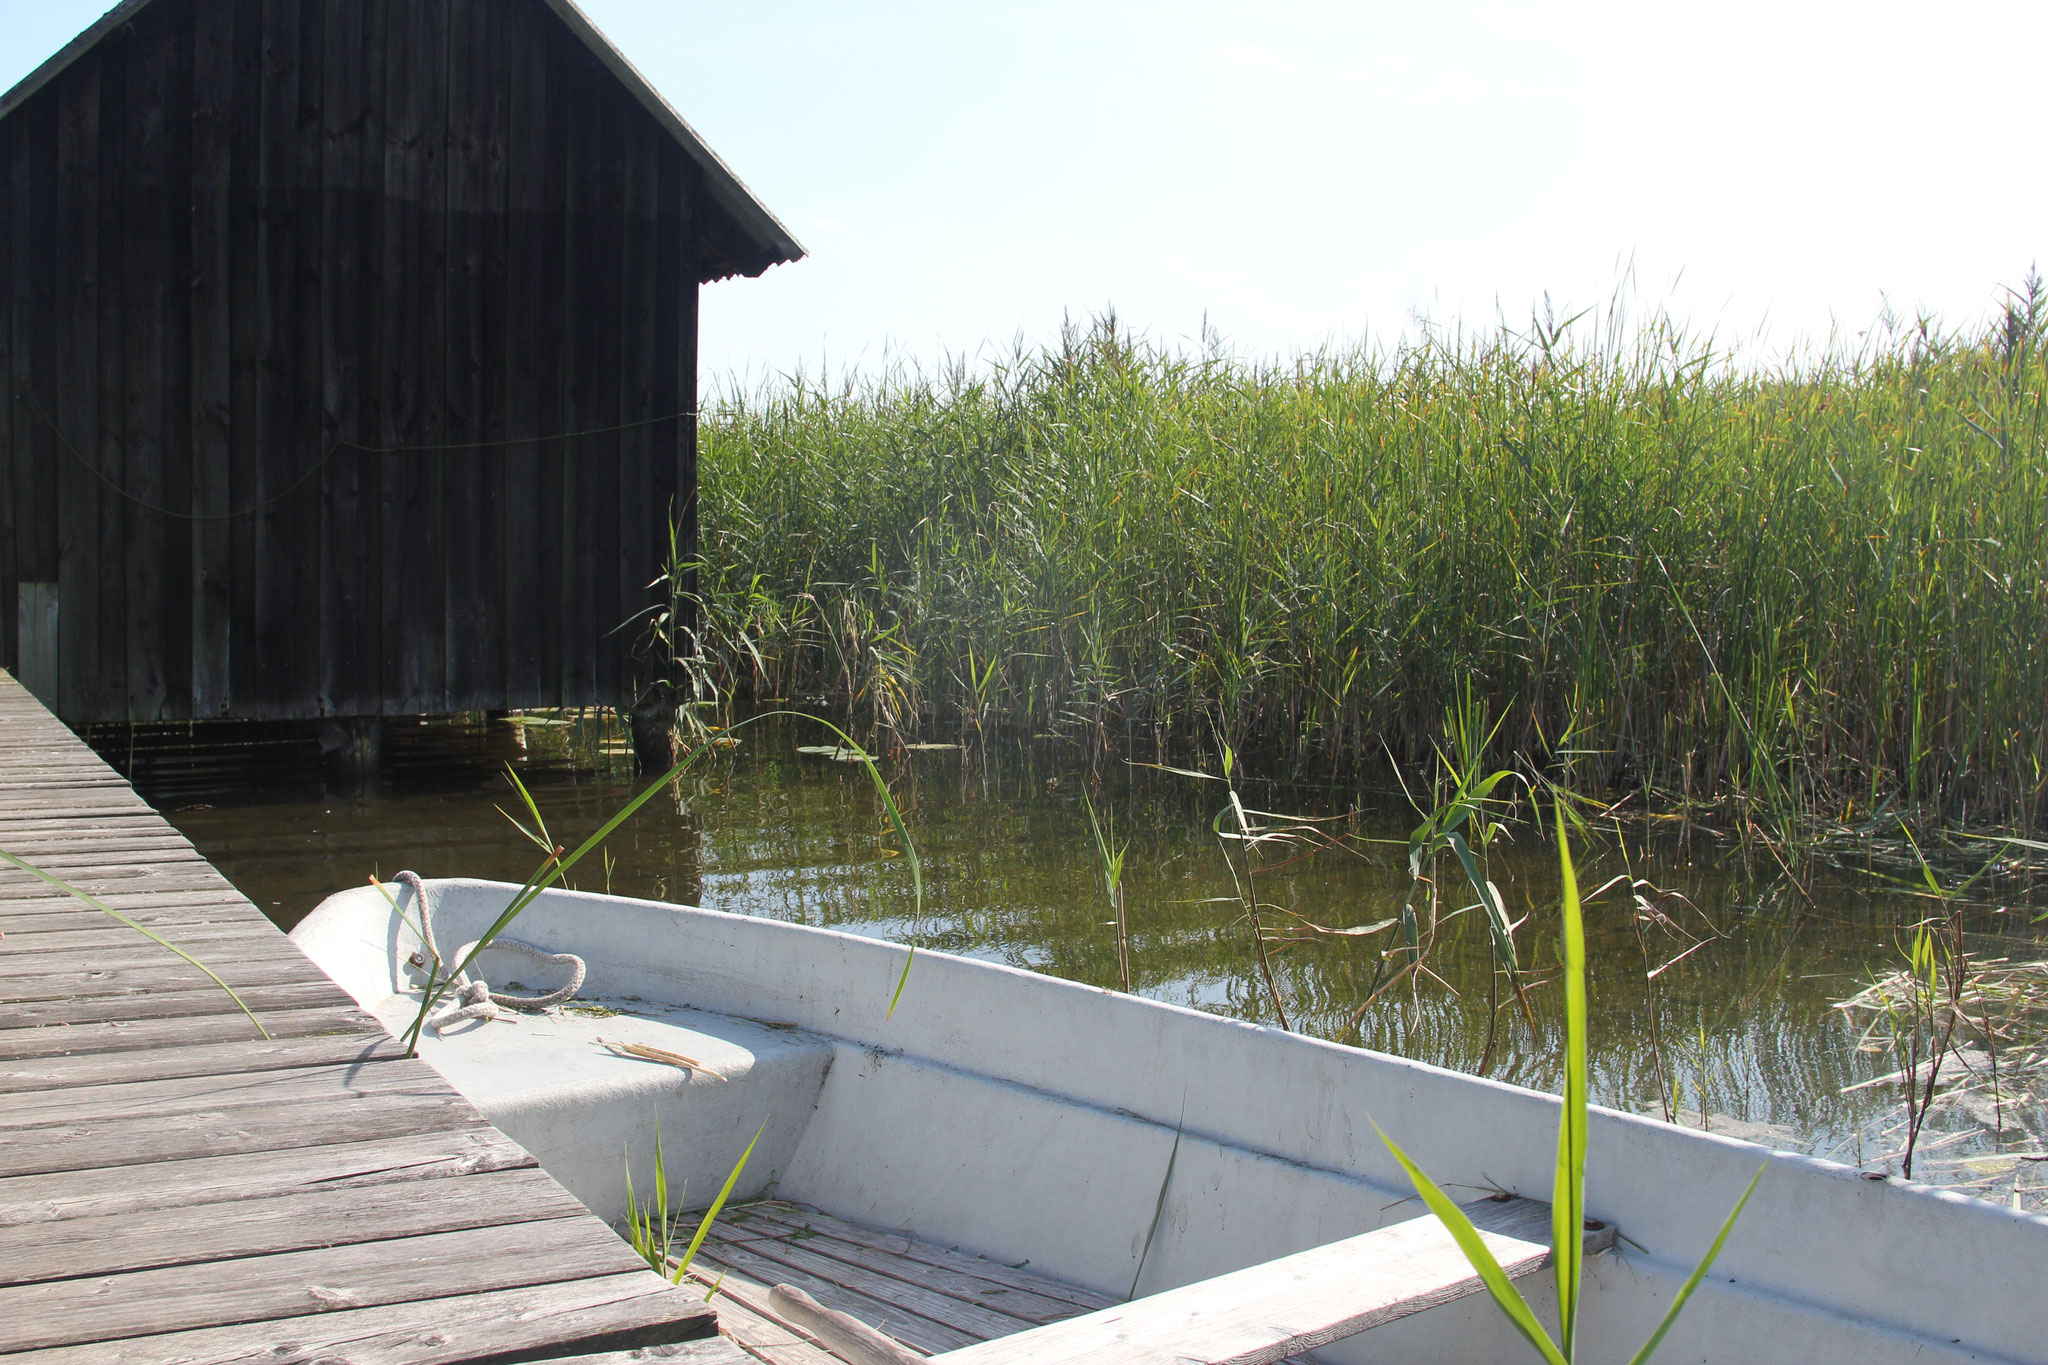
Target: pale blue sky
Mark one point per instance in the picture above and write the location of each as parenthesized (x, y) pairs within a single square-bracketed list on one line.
[(1313, 172)]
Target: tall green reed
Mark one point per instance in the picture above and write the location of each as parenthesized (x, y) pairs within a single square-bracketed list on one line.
[(1109, 855), (1812, 586), (1460, 821), (1568, 1191)]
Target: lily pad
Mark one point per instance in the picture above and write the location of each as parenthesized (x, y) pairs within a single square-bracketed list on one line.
[(831, 751)]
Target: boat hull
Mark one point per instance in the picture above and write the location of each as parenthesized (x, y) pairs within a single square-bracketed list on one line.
[(1033, 1119)]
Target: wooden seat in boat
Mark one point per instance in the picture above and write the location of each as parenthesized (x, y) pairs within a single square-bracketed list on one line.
[(926, 1297), (1266, 1313), (919, 1299)]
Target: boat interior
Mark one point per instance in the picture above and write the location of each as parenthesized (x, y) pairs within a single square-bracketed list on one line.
[(927, 1299), (965, 1160)]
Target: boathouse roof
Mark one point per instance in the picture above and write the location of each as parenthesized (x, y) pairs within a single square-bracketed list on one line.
[(755, 240)]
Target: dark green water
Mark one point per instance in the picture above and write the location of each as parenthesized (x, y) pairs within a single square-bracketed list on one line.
[(1745, 1020)]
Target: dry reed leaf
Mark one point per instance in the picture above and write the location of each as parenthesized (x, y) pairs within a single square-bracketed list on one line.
[(656, 1054)]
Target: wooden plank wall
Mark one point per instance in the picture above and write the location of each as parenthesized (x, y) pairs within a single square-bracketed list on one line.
[(175, 1187), (238, 232)]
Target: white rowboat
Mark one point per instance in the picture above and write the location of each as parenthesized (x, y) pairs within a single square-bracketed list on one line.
[(1035, 1120)]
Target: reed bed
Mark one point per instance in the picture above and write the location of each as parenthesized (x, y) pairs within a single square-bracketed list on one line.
[(1819, 586)]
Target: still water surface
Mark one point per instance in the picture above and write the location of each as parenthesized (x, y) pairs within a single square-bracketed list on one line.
[(1741, 1029)]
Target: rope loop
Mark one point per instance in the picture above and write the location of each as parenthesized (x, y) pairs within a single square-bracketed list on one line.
[(474, 998)]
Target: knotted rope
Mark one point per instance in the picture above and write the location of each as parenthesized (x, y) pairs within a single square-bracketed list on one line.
[(474, 998)]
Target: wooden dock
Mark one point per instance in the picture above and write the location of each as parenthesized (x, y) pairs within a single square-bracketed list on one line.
[(176, 1188)]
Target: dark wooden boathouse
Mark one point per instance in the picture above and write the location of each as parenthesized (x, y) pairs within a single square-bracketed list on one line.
[(349, 351)]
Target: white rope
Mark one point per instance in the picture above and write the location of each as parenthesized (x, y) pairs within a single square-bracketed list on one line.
[(474, 998)]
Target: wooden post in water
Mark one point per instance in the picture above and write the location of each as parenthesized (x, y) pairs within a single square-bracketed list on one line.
[(354, 749), (657, 743)]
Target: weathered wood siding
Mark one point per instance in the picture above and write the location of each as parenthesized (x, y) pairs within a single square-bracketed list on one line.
[(237, 232)]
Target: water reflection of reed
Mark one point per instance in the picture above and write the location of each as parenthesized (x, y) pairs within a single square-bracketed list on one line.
[(1010, 876), (1746, 1020)]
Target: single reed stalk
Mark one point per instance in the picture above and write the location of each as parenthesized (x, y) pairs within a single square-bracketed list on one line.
[(1251, 910), (1656, 1037), (1123, 941), (1110, 857), (1954, 971)]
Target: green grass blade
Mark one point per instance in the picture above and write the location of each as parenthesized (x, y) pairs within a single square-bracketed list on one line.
[(704, 1228), (2036, 844), (636, 1231), (888, 803), (403, 918), (1469, 1241), (1699, 1273), (431, 996), (1498, 925), (74, 892), (1568, 1193), (1101, 845), (1179, 772), (1926, 872), (554, 869), (545, 839), (1159, 1204), (666, 1235), (537, 833), (902, 834), (909, 956)]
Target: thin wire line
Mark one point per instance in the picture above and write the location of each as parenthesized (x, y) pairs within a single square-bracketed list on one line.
[(27, 397)]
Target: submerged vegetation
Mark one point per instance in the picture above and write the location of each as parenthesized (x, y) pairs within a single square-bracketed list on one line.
[(1968, 1032), (1820, 589)]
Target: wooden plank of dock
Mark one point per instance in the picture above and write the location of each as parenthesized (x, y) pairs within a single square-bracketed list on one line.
[(175, 1188)]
